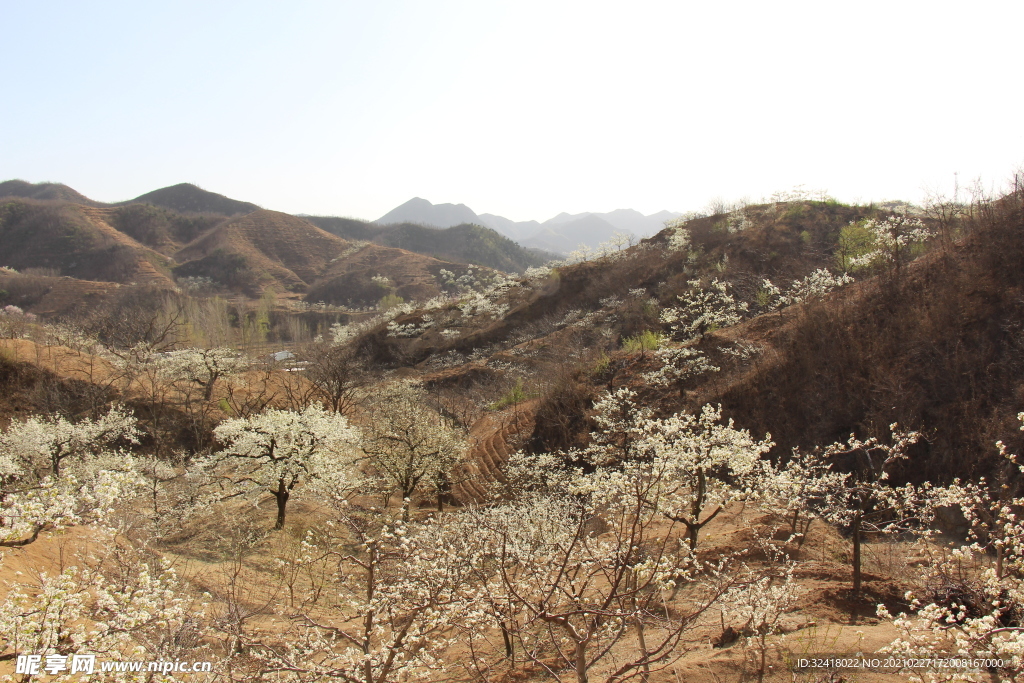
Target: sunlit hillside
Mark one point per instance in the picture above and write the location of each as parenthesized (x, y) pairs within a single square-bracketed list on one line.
[(307, 449)]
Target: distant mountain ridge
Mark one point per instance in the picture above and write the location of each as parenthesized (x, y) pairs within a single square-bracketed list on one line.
[(183, 197), (466, 242), (561, 234), (183, 231)]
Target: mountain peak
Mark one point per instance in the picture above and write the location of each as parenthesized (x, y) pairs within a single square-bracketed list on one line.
[(421, 211), (186, 197), (54, 191)]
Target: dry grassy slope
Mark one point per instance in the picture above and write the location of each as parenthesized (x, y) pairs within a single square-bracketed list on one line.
[(53, 297), (146, 272), (44, 191), (277, 249), (348, 280), (185, 197), (75, 240)]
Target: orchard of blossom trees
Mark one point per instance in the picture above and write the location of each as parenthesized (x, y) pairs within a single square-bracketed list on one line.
[(588, 564), (308, 529)]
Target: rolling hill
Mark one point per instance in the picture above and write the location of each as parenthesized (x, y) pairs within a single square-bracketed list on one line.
[(259, 250), (43, 191), (463, 243), (272, 250), (75, 240), (187, 198)]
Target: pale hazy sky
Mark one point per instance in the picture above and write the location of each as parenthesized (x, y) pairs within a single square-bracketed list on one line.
[(522, 109)]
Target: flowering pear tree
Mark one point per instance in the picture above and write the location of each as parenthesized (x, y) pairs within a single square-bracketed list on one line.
[(201, 367), (692, 466), (87, 494), (583, 573), (863, 498), (678, 365), (134, 610), (893, 241), (707, 465), (703, 310), (36, 494), (814, 286), (403, 593), (980, 616), (41, 444), (276, 450), (409, 444)]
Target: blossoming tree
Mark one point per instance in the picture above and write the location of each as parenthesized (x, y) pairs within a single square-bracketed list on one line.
[(276, 450)]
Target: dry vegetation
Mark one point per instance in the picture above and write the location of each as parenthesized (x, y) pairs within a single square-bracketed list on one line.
[(527, 478)]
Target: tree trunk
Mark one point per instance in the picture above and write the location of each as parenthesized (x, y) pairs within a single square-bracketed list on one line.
[(507, 638), (691, 535), (856, 554), (581, 662), (282, 500), (645, 671)]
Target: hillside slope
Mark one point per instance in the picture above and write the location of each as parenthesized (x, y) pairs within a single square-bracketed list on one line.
[(464, 243), (187, 198), (77, 241), (43, 191), (259, 250)]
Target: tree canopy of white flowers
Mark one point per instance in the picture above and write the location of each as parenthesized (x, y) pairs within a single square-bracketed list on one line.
[(814, 286), (893, 240), (88, 492), (692, 466), (678, 365), (202, 367), (979, 614), (703, 310), (409, 444), (44, 443), (276, 450), (847, 485), (55, 473), (678, 237), (118, 606), (704, 465)]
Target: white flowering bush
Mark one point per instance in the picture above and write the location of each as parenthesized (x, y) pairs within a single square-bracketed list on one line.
[(758, 602), (41, 444), (814, 286), (277, 450), (975, 606), (678, 237), (130, 609), (893, 241), (703, 310), (412, 329), (410, 445), (678, 365)]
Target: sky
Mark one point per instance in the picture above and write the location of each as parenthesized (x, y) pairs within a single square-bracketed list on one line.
[(522, 109)]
